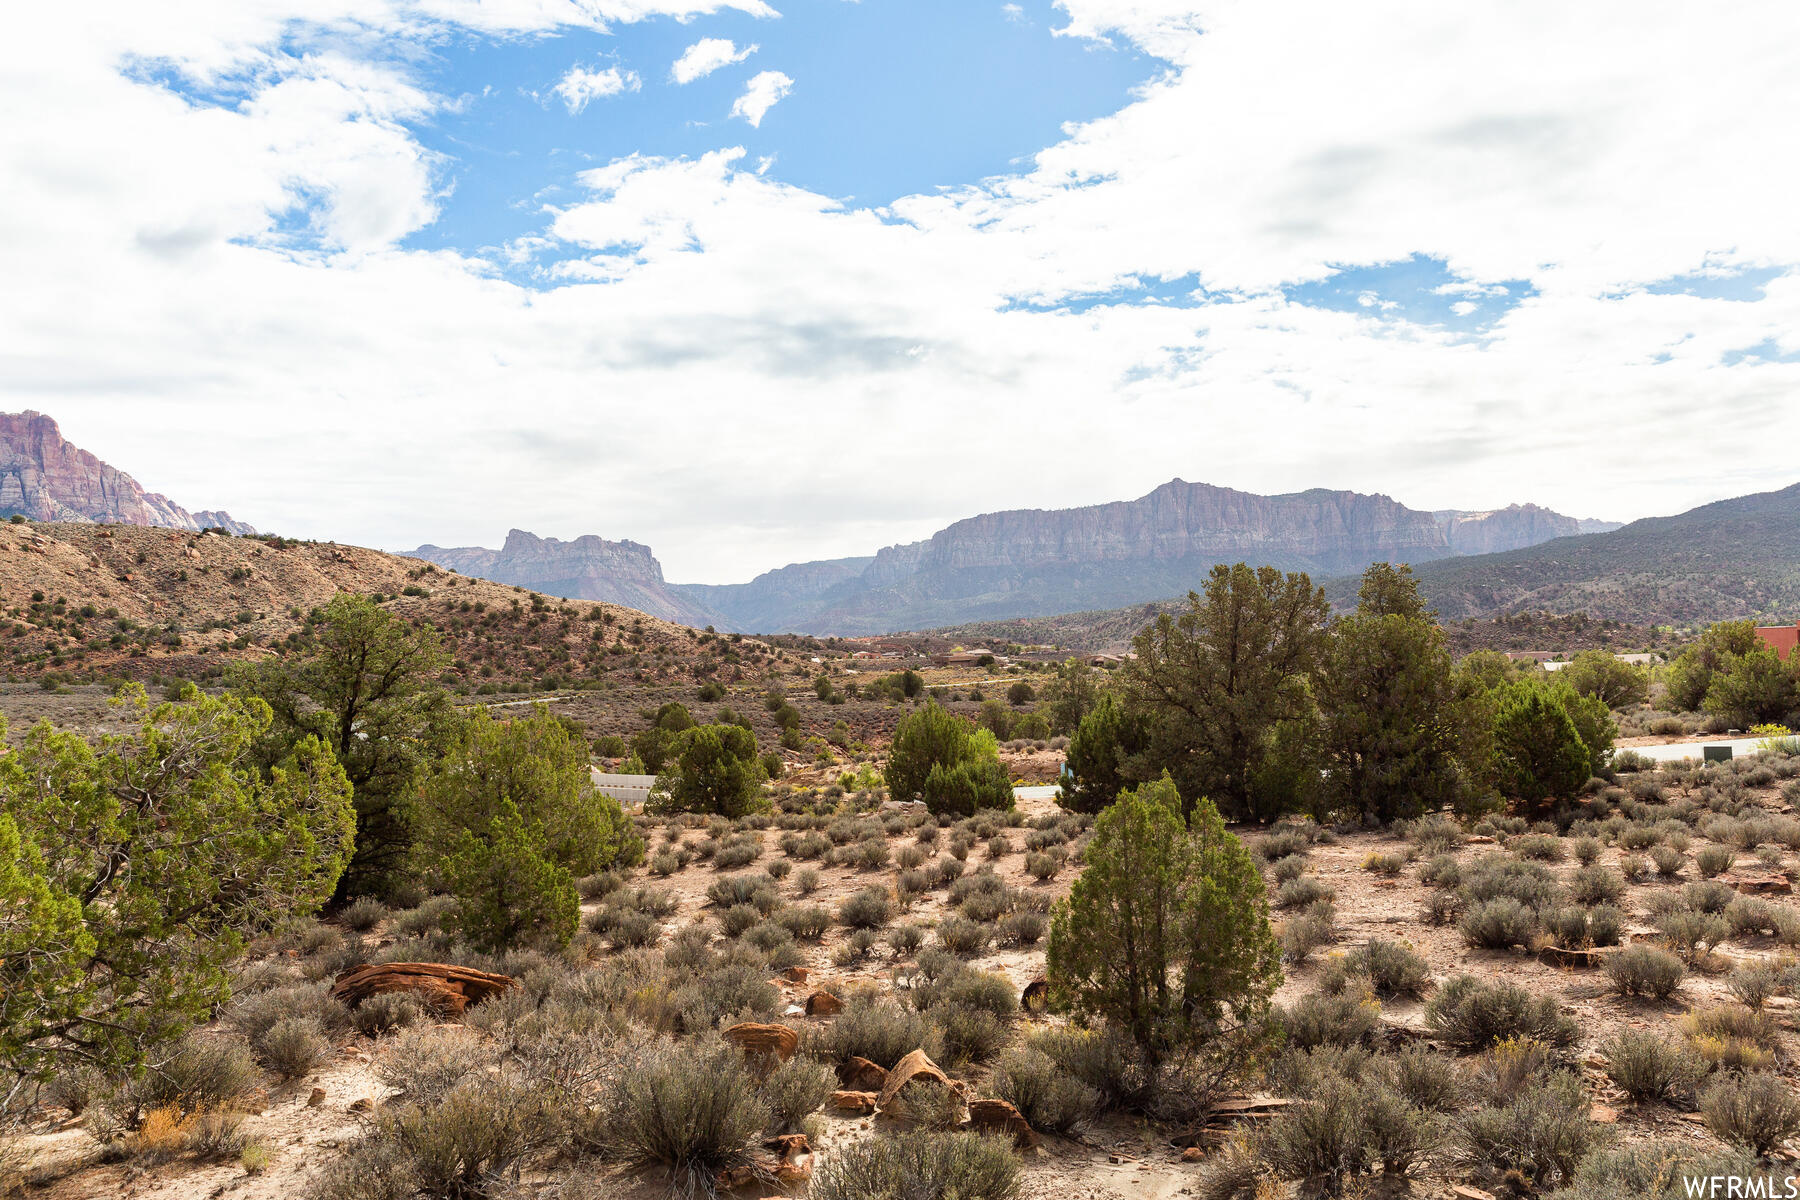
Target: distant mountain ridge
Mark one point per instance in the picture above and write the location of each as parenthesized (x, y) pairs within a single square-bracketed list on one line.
[(1024, 562), (1036, 562), (45, 478), (587, 568), (1726, 560)]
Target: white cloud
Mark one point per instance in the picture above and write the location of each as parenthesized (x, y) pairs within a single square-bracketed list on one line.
[(706, 56), (765, 90), (217, 297), (581, 86)]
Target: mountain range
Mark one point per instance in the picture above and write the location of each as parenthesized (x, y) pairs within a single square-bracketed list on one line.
[(45, 478), (1026, 562)]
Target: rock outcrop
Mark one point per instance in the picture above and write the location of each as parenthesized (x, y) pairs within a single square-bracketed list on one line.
[(588, 568), (1037, 562), (45, 478), (1511, 528), (446, 989)]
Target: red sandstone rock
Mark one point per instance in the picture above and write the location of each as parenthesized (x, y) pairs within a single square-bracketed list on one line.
[(446, 989)]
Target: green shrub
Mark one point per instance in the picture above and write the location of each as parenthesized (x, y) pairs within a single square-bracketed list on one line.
[(1757, 1111), (713, 769), (1645, 1066), (1303, 892), (920, 1165), (293, 1046), (1713, 860), (878, 1030), (795, 1090), (1499, 924), (1103, 1059), (946, 761), (1596, 885), (363, 914), (509, 819), (1166, 931), (1321, 1020), (1472, 1015), (867, 909), (692, 1110), (1047, 1097), (1542, 1131)]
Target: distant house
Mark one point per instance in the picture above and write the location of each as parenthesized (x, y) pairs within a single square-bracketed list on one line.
[(1104, 660), (1780, 638)]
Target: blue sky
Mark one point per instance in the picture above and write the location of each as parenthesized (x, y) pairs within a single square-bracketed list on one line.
[(404, 271), (891, 97)]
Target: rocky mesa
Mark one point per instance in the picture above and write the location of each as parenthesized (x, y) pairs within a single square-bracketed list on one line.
[(45, 478)]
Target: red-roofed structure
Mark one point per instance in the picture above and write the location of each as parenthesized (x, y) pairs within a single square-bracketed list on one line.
[(1780, 638)]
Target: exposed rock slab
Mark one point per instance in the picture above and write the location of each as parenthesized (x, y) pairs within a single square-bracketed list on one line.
[(449, 990)]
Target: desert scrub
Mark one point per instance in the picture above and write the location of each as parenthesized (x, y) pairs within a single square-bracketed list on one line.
[(1542, 1131), (363, 914), (1647, 1067), (1344, 1129), (1303, 893), (920, 1165), (1544, 847), (1499, 924), (1320, 1020), (691, 1109), (1757, 1111), (1046, 1096), (1385, 863), (1303, 934), (795, 1090), (867, 909), (293, 1046), (1472, 1015), (876, 1029), (1391, 968), (1596, 885)]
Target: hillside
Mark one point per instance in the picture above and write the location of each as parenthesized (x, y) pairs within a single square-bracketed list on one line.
[(45, 478), (93, 600), (1734, 558)]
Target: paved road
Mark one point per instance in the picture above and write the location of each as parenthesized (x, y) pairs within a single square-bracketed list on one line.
[(1675, 751)]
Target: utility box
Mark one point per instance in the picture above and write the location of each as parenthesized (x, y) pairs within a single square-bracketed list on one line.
[(1714, 754)]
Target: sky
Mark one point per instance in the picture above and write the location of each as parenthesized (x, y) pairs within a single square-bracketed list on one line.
[(764, 281)]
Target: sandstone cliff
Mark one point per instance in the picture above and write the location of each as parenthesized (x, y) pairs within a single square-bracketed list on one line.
[(1034, 562), (1511, 528), (45, 478), (589, 568)]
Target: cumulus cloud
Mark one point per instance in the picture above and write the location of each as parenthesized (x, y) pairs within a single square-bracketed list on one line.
[(581, 86), (765, 90), (210, 281), (706, 56)]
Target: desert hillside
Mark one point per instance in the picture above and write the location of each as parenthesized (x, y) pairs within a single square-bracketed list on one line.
[(126, 600)]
